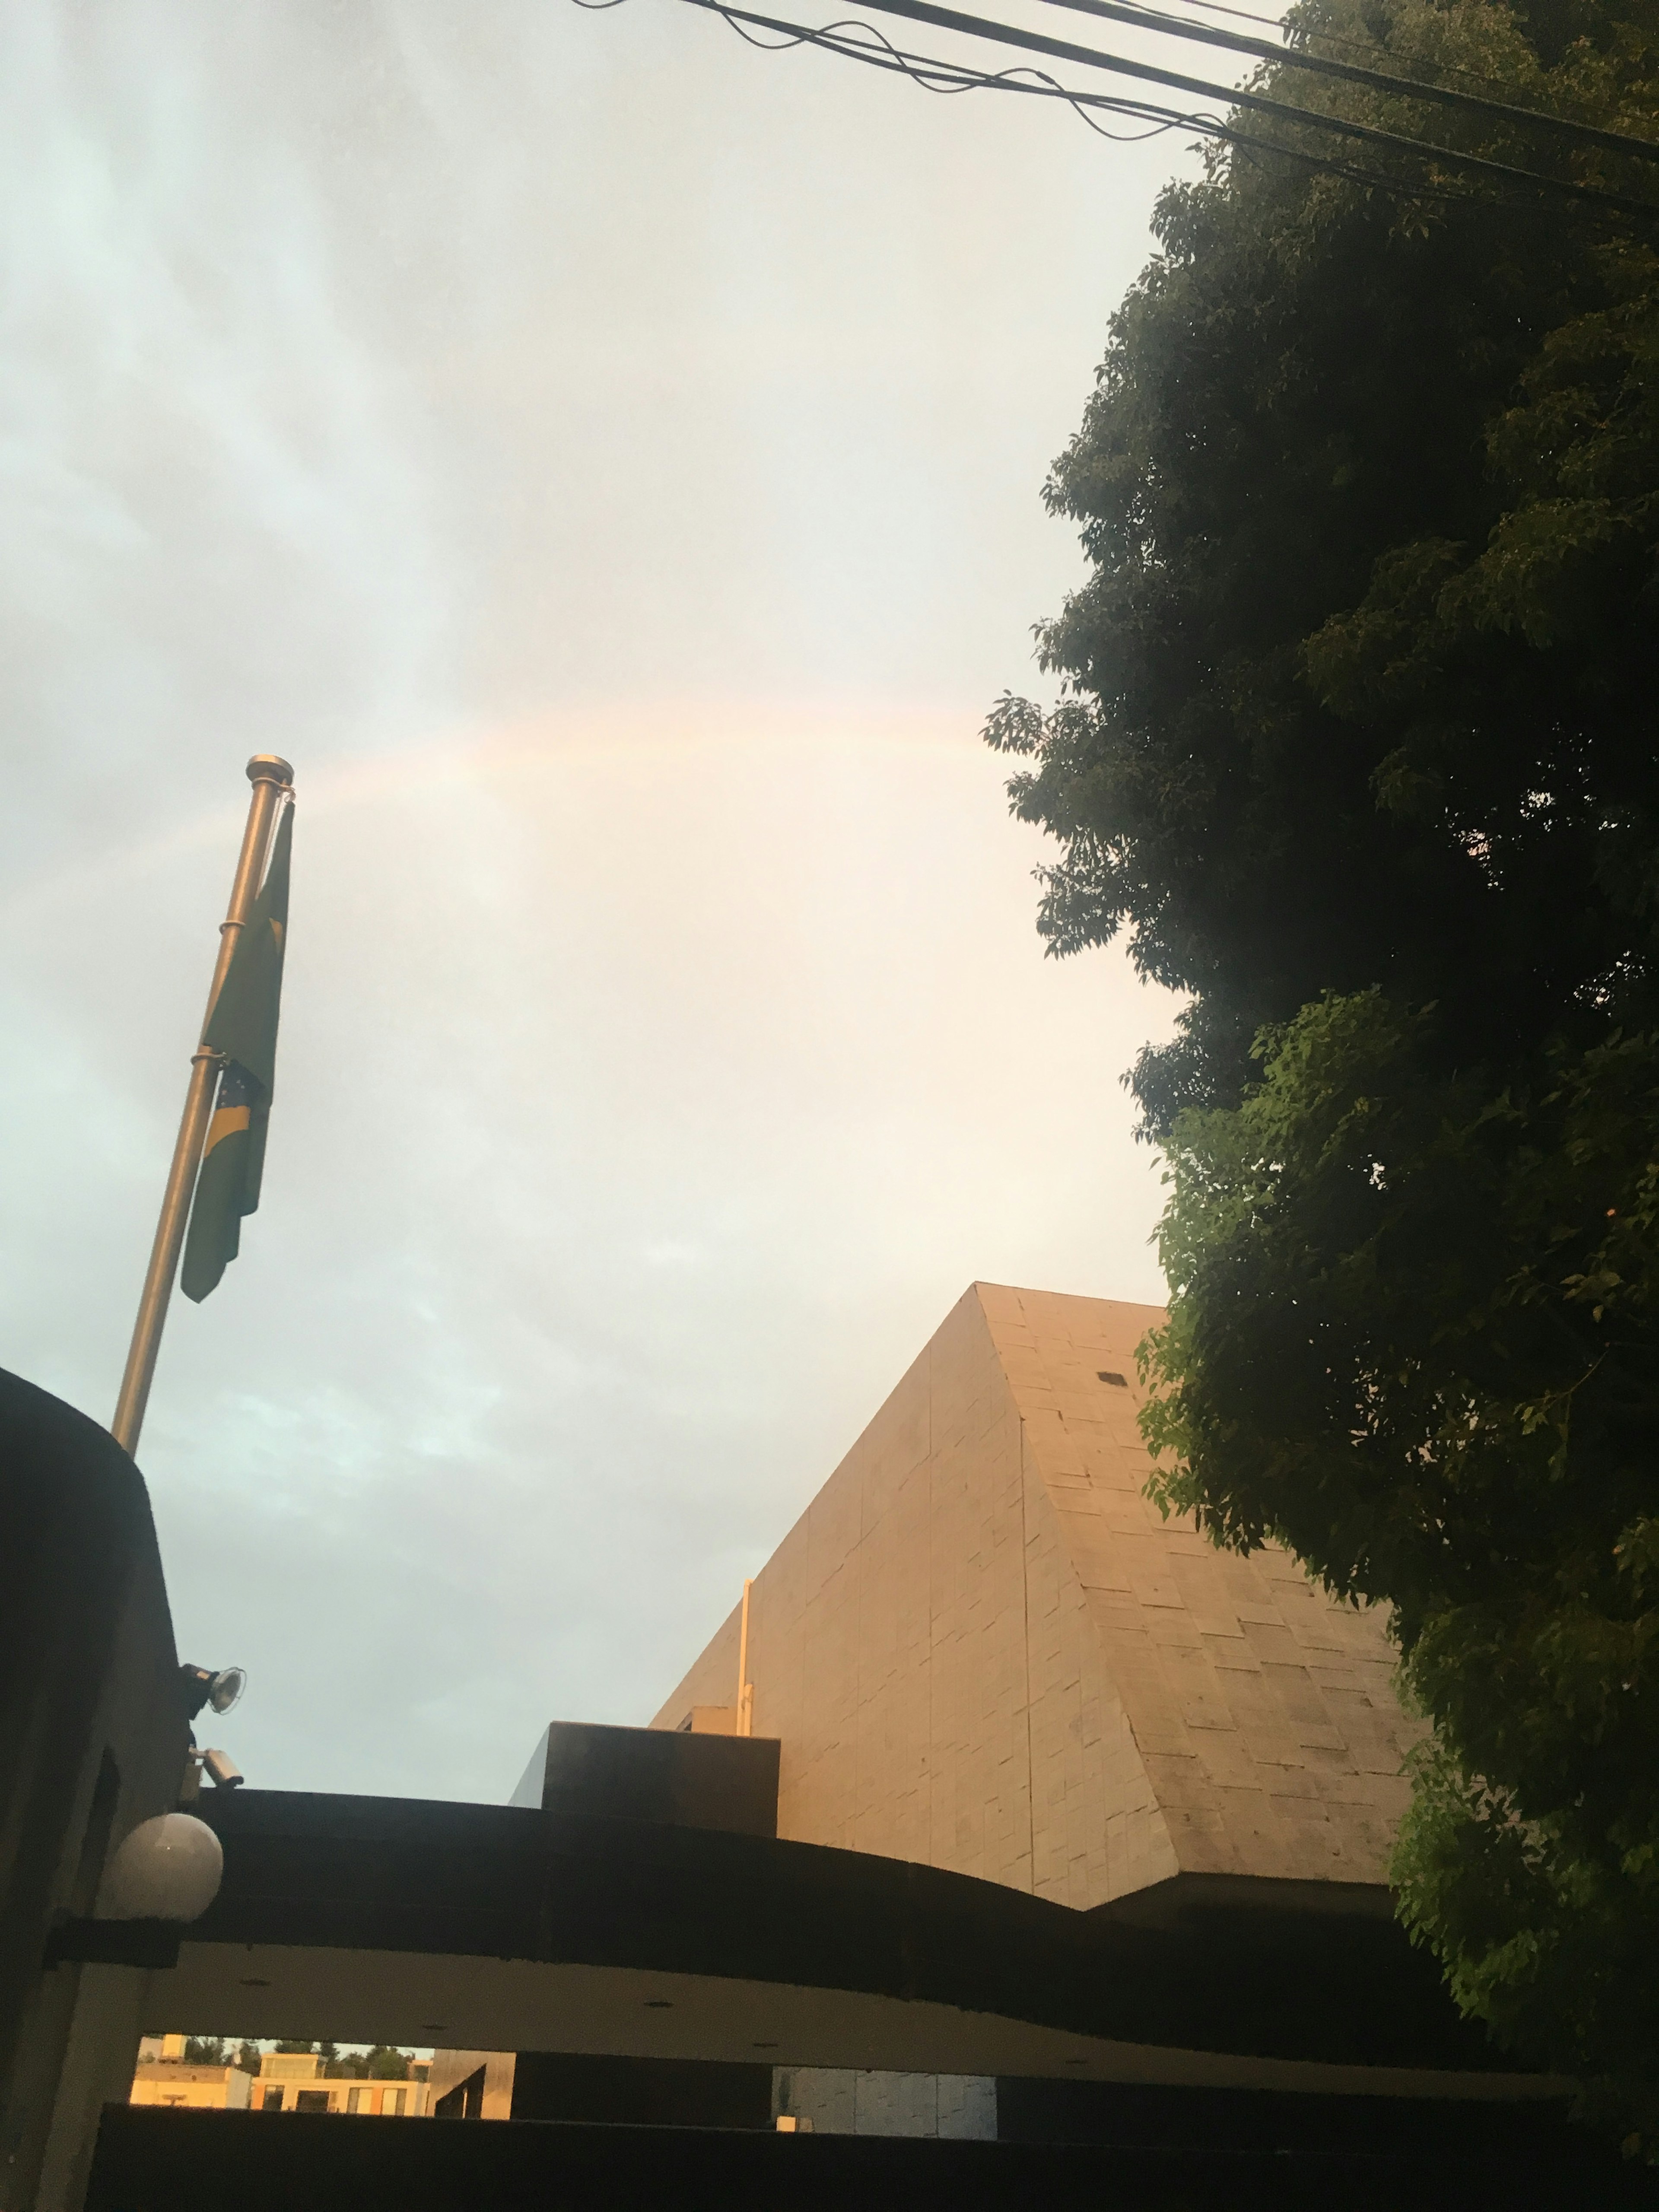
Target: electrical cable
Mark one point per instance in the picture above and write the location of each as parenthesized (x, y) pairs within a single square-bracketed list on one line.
[(1145, 18), (941, 77), (948, 77), (954, 77), (1372, 46), (963, 77), (979, 27)]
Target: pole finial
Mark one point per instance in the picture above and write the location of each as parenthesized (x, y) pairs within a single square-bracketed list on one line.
[(269, 767)]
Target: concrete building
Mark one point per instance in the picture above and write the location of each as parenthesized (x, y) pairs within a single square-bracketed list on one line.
[(287, 2082), (471, 2085), (168, 2080), (981, 1648), (294, 2081), (1040, 1820)]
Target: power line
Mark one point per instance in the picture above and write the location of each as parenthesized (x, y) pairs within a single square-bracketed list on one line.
[(946, 78), (1329, 39), (1176, 27), (1009, 34), (964, 78), (939, 76), (1373, 47)]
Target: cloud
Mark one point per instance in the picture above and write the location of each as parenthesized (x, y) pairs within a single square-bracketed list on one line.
[(605, 462)]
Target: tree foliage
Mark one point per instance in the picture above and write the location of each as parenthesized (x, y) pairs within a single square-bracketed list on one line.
[(1357, 741), (383, 2062), (1414, 1333)]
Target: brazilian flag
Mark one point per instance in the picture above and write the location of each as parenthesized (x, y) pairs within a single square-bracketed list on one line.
[(242, 1028)]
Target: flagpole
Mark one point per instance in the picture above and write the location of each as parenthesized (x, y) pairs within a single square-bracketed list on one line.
[(273, 779)]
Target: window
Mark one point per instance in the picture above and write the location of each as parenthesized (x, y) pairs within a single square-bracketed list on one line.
[(392, 2104), (271, 2101), (354, 2100), (311, 2100)]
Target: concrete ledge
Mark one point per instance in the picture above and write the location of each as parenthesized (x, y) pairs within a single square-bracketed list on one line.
[(496, 1928)]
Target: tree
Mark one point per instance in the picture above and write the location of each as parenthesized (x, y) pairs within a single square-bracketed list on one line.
[(1356, 740), (248, 2057), (205, 2050), (385, 2063), (1414, 1332)]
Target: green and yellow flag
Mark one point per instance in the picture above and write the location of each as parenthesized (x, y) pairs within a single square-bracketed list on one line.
[(243, 1028)]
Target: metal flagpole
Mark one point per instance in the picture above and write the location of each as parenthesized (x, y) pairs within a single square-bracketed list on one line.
[(271, 779)]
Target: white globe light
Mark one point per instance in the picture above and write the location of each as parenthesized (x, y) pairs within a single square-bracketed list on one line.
[(168, 1869)]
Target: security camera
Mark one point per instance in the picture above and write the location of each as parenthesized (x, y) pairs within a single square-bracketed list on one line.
[(221, 1771), (201, 1686)]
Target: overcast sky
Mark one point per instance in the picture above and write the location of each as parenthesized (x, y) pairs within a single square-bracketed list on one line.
[(605, 461)]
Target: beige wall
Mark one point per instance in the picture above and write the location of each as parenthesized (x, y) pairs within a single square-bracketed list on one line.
[(217, 2088), (981, 1648), (452, 2067)]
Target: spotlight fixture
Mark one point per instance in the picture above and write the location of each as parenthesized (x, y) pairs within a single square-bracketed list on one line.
[(201, 1686)]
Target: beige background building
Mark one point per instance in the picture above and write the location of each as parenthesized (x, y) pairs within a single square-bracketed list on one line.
[(162, 2078), (484, 2079), (287, 2081), (294, 2081), (981, 1648)]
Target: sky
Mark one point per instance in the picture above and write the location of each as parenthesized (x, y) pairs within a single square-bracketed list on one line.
[(605, 461)]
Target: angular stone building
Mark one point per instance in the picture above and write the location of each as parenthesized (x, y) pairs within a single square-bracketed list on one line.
[(982, 1649)]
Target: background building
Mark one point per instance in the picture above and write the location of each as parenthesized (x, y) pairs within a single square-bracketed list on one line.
[(294, 2081), (1056, 1824), (164, 2076), (287, 2082), (981, 1648)]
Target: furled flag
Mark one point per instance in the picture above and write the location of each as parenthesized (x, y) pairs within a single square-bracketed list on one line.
[(242, 1027)]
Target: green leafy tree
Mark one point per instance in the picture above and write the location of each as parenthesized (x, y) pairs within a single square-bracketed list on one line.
[(295, 2050), (205, 2050), (385, 2063), (1357, 742), (248, 2057)]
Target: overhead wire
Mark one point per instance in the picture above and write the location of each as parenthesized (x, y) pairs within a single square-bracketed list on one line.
[(945, 78), (1372, 46), (1142, 17), (963, 77), (942, 76), (927, 72), (951, 19)]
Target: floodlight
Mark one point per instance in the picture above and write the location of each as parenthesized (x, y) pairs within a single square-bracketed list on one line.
[(227, 1688), (201, 1686), (222, 1773)]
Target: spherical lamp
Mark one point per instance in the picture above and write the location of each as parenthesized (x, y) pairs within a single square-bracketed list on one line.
[(168, 1869)]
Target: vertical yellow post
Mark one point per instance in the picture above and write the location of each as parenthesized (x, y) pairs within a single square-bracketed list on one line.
[(746, 1687), (271, 779)]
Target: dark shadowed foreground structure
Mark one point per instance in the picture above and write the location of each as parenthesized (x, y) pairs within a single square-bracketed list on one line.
[(694, 1966)]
